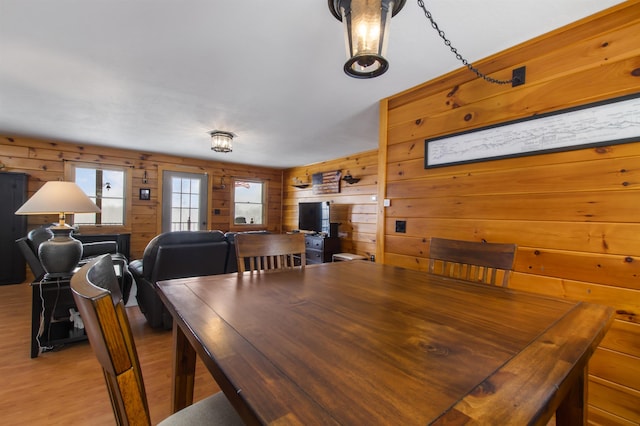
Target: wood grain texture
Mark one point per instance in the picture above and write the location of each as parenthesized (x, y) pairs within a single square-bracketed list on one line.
[(44, 160), (270, 252), (360, 342), (574, 214), (488, 263), (352, 208), (66, 386)]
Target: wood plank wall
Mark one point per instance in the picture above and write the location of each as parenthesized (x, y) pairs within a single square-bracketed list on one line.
[(575, 216), (43, 160), (353, 208)]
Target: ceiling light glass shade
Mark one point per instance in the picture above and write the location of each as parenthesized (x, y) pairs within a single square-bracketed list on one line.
[(221, 141), (366, 29), (60, 254)]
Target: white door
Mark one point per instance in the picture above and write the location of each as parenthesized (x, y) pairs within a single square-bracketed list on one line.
[(184, 201)]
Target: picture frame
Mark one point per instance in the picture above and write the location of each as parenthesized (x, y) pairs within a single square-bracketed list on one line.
[(145, 193), (613, 121), (326, 182)]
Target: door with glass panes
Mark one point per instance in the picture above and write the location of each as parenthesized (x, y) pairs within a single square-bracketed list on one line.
[(184, 201)]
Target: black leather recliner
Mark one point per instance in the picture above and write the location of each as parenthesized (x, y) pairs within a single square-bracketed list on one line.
[(177, 254)]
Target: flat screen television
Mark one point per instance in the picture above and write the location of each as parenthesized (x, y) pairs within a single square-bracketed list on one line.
[(314, 217)]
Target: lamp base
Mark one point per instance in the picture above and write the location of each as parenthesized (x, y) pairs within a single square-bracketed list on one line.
[(60, 254)]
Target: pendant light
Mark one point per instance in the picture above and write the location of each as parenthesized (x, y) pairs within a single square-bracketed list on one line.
[(366, 28)]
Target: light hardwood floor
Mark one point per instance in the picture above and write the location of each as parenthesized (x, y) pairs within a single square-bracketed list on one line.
[(66, 387)]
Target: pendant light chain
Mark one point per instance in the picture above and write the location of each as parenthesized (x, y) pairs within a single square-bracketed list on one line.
[(447, 42)]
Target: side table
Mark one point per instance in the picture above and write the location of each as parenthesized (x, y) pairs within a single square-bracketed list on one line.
[(51, 325), (51, 299)]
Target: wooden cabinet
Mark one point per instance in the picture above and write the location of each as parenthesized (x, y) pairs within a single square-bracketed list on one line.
[(319, 249), (13, 191)]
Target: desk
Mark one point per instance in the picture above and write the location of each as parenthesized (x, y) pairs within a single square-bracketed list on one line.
[(366, 343)]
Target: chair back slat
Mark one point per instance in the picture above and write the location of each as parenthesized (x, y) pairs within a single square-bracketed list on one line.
[(99, 300), (472, 261), (270, 252)]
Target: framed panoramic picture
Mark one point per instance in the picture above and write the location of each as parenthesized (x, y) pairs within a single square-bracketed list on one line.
[(608, 122)]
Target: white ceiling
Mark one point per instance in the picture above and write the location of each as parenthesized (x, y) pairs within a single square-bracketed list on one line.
[(158, 75)]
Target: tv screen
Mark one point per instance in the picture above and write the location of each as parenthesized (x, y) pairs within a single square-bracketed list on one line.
[(314, 217)]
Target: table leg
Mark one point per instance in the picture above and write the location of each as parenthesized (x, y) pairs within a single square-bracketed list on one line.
[(572, 410), (184, 369)]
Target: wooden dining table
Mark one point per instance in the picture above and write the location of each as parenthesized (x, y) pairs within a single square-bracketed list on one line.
[(358, 342)]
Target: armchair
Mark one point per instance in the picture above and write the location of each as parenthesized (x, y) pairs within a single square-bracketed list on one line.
[(177, 254), (29, 248)]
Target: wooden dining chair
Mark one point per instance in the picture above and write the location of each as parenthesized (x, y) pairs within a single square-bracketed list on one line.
[(472, 261), (99, 300), (270, 252)]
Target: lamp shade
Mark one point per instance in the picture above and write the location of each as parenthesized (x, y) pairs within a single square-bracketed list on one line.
[(58, 197), (60, 254)]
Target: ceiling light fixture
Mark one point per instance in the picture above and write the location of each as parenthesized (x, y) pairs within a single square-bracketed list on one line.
[(366, 28), (221, 141)]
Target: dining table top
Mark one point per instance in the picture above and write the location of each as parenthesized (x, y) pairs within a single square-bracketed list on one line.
[(367, 343)]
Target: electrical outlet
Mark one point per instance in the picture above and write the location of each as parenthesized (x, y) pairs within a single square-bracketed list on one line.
[(401, 226)]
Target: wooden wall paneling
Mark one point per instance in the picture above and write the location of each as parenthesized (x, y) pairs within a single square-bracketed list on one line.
[(468, 117), (353, 207), (563, 206), (573, 214), (618, 367), (605, 237), (410, 155), (602, 23), (383, 143), (615, 398), (622, 337), (623, 299), (597, 416), (613, 270), (44, 160), (596, 51), (599, 173)]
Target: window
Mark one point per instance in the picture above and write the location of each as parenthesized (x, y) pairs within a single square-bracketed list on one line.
[(107, 188), (249, 202)]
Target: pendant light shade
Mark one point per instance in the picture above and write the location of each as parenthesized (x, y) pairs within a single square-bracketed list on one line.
[(221, 141), (366, 28)]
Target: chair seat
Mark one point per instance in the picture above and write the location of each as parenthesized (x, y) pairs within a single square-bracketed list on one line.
[(347, 257), (213, 410)]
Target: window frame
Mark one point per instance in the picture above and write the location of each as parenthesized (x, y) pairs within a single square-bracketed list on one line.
[(265, 216), (70, 175)]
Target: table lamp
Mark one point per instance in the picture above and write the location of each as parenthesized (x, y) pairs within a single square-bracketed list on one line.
[(61, 253)]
